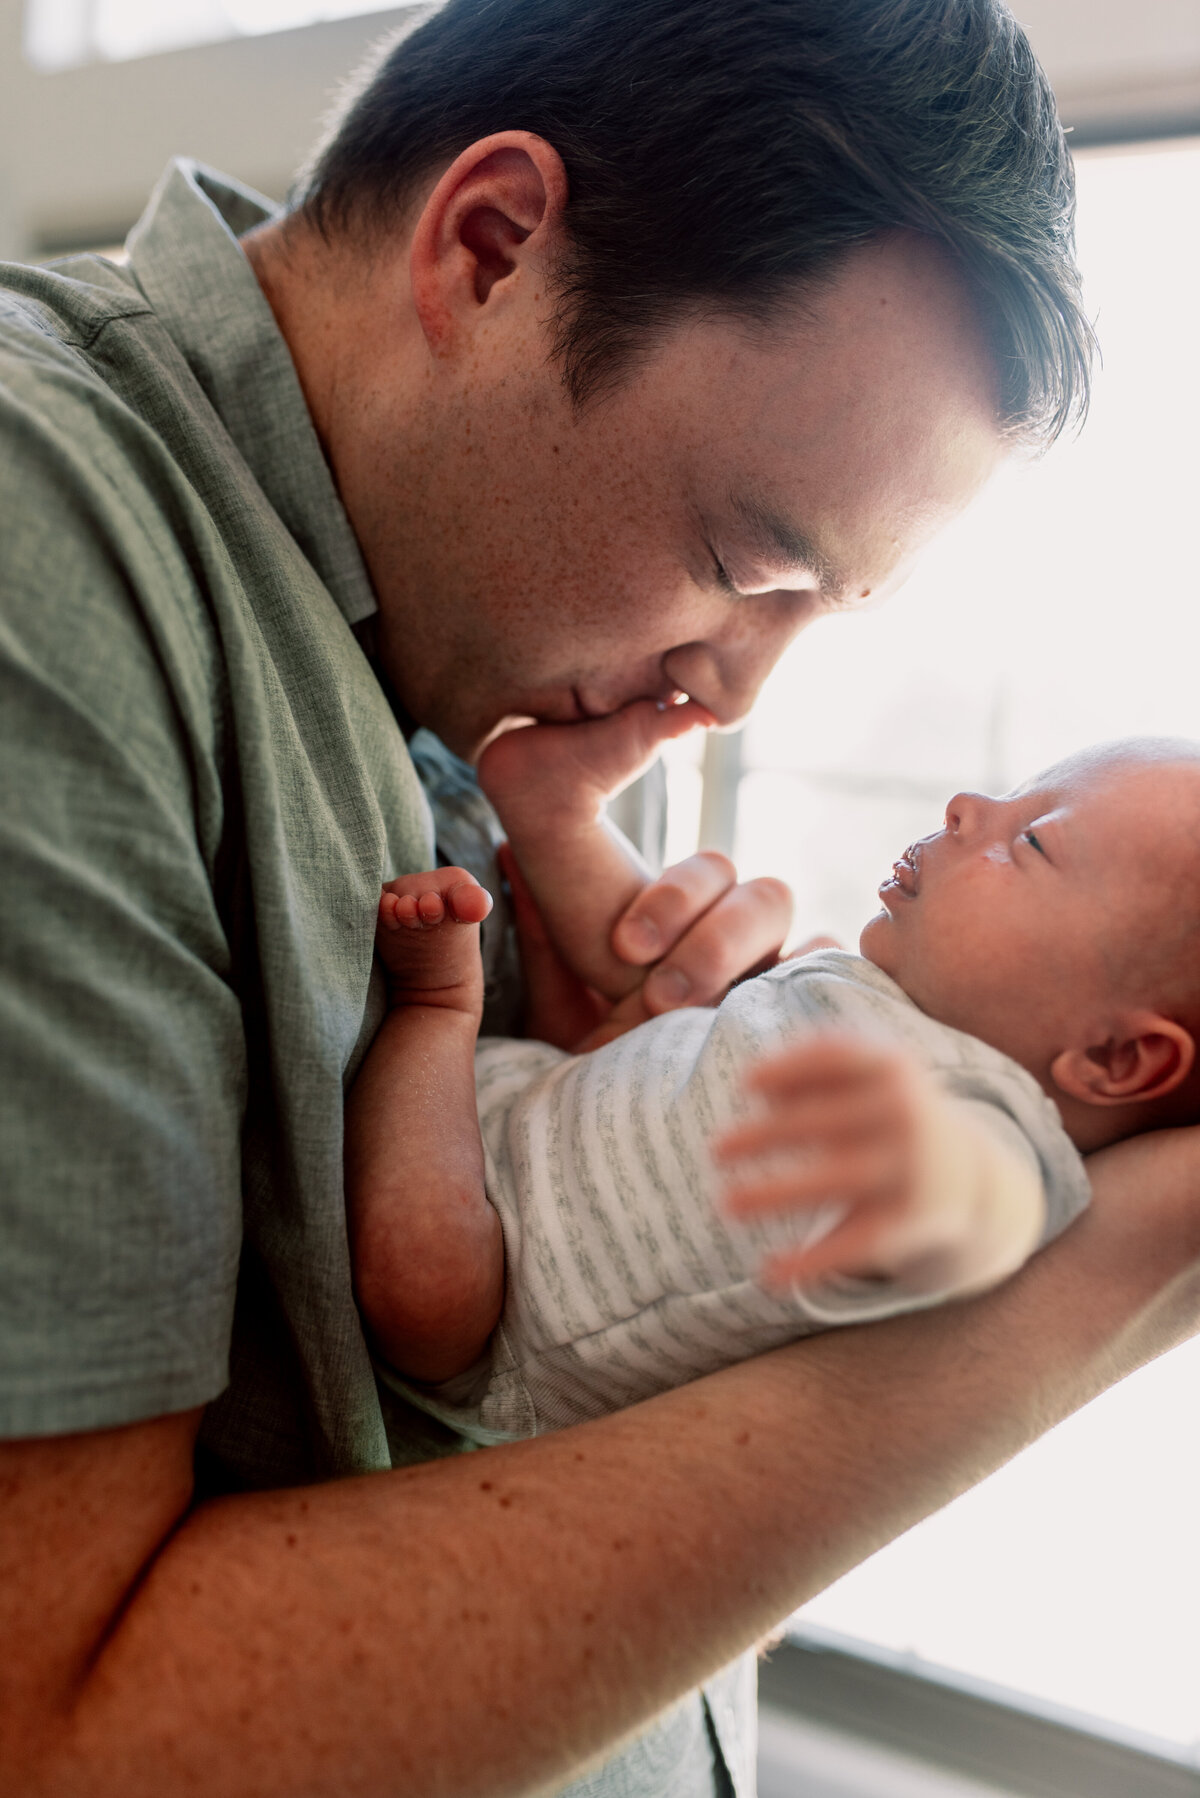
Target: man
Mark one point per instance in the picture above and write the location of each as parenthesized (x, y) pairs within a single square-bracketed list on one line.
[(605, 346)]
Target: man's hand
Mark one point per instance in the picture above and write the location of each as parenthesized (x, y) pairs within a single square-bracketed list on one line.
[(698, 930), (717, 931), (925, 1196)]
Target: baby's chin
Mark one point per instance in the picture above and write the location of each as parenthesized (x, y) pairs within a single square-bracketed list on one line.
[(876, 943)]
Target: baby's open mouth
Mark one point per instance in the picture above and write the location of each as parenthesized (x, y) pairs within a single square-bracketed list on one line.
[(905, 872)]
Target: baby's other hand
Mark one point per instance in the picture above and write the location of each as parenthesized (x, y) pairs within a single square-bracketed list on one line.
[(845, 1125), (427, 936)]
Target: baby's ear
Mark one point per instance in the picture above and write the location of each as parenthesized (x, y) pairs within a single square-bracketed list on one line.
[(1147, 1058)]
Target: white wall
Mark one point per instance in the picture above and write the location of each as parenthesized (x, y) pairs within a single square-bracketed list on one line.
[(1118, 65), (79, 150)]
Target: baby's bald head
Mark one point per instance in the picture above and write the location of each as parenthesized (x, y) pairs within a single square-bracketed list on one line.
[(1061, 923), (1151, 831)]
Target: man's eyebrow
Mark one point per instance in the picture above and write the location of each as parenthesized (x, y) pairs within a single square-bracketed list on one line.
[(782, 543)]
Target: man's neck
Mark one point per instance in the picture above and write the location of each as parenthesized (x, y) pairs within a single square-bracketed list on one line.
[(300, 276)]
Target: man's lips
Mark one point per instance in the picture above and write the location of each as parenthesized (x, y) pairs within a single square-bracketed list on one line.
[(905, 876), (590, 705)]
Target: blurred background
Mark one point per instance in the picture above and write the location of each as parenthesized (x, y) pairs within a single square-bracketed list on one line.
[(1064, 608)]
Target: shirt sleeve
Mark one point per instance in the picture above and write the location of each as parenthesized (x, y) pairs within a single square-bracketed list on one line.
[(122, 1059)]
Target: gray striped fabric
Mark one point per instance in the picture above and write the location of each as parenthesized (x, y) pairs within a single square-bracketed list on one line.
[(623, 1278)]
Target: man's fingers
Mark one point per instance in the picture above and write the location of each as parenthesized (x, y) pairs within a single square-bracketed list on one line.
[(740, 934), (709, 931), (670, 906)]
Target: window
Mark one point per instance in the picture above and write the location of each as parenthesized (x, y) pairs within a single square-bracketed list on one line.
[(61, 34), (1065, 608)]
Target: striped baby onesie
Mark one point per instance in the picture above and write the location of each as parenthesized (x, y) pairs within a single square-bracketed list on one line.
[(622, 1277)]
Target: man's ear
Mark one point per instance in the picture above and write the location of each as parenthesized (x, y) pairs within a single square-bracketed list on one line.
[(487, 223), (1146, 1058)]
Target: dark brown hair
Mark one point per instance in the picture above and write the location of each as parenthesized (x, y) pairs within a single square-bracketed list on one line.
[(722, 153)]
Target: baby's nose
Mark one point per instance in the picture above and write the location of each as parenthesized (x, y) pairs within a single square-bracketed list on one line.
[(964, 812)]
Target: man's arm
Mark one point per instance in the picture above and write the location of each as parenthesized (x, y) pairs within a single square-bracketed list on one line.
[(485, 1626)]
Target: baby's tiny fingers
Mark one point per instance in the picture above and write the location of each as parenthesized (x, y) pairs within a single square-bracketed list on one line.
[(817, 1122), (861, 1176), (822, 1062), (847, 1249)]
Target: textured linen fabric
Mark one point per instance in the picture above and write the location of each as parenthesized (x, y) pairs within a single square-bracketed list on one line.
[(202, 788), (622, 1277)]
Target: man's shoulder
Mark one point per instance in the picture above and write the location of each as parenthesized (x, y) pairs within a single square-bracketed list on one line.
[(73, 349), (65, 306), (99, 594)]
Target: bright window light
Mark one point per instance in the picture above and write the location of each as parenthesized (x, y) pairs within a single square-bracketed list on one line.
[(1064, 609), (61, 34)]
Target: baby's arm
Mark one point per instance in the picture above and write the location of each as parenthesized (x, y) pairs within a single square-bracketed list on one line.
[(931, 1198), (427, 1249), (549, 784)]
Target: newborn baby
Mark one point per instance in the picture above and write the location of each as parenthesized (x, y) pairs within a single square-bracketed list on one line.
[(1028, 991)]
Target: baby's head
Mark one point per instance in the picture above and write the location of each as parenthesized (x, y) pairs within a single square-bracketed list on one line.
[(1062, 925)]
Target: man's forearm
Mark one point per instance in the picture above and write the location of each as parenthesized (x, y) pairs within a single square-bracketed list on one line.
[(485, 1626)]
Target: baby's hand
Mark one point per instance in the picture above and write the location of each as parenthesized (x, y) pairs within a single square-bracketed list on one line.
[(546, 771), (427, 936), (926, 1200)]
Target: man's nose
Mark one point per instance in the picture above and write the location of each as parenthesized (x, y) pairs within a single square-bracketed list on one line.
[(725, 671)]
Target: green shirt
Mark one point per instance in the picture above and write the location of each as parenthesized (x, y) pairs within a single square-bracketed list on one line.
[(203, 788)]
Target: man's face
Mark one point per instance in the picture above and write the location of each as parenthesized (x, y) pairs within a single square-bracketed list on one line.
[(1032, 921), (532, 560)]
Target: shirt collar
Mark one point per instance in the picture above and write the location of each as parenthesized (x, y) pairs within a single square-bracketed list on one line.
[(185, 256)]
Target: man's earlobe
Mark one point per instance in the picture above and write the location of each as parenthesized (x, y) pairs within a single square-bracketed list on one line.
[(1147, 1059), (492, 214)]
